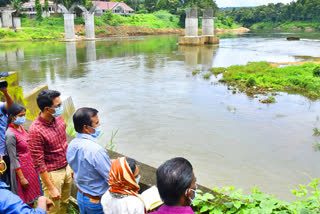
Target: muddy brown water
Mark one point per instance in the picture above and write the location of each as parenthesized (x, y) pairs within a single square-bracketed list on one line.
[(143, 87)]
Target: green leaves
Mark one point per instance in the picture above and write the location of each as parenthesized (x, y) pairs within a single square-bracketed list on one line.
[(257, 202)]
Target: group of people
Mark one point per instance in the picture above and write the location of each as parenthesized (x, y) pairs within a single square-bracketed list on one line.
[(41, 162)]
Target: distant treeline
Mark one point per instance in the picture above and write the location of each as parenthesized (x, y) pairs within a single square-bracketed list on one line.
[(300, 10)]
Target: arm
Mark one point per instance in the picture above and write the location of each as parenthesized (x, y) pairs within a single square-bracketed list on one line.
[(9, 100), (45, 203), (103, 164), (11, 143), (35, 141), (11, 203)]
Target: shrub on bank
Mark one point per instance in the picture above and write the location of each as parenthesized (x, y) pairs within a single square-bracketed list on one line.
[(301, 79), (257, 202)]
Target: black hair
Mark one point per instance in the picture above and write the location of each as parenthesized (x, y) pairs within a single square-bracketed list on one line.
[(45, 98), (174, 177), (13, 111), (82, 117), (132, 164)]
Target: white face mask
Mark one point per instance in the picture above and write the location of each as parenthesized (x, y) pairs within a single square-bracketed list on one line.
[(194, 195)]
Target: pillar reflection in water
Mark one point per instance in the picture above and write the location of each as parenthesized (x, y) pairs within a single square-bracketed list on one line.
[(194, 55), (91, 51), (190, 55), (71, 55), (20, 54), (12, 58), (207, 52), (2, 57)]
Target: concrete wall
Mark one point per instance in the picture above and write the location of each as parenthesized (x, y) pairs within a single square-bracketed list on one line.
[(191, 27), (89, 21), (69, 26), (17, 22), (7, 18), (207, 27)]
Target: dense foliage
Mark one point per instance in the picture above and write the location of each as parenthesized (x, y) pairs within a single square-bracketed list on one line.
[(258, 203), (300, 10)]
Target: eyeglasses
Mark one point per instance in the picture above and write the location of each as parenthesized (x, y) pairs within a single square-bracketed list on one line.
[(58, 106)]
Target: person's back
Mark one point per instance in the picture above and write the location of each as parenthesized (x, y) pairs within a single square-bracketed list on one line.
[(123, 197), (177, 186)]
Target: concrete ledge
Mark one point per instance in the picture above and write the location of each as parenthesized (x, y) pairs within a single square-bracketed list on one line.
[(198, 40)]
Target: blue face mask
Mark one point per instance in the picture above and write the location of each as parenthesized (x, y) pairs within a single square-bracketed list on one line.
[(20, 120), (138, 179), (97, 132), (59, 111)]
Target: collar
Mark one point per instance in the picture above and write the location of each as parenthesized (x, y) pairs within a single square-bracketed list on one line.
[(46, 122), (3, 185), (86, 136)]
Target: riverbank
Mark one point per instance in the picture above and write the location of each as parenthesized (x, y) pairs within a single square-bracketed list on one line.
[(266, 79), (287, 26), (158, 23)]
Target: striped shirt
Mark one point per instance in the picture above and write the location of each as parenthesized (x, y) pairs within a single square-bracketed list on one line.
[(48, 144)]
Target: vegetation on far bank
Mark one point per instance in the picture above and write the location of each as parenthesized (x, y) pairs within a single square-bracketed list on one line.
[(262, 78), (297, 14)]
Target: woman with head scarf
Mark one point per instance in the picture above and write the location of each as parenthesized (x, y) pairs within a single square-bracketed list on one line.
[(122, 197)]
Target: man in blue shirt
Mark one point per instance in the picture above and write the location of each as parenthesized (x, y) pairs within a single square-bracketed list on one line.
[(89, 161), (4, 106), (11, 203)]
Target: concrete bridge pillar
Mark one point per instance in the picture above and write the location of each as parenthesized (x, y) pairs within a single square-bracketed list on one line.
[(69, 26), (17, 22), (191, 22), (207, 23), (89, 22), (0, 23), (7, 18)]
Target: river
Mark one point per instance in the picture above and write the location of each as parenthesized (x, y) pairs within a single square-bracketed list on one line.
[(144, 88)]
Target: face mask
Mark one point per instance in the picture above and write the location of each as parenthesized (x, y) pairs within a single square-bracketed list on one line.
[(194, 195), (59, 111), (97, 131), (138, 179), (19, 120)]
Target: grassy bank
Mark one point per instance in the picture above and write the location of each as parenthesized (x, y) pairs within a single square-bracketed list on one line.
[(53, 27), (262, 78), (287, 26)]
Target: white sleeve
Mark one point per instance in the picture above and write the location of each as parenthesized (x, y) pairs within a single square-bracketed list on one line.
[(137, 206)]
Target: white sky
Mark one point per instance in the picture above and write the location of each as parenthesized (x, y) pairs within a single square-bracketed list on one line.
[(244, 3)]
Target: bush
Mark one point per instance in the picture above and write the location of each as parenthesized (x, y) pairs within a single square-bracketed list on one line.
[(79, 21), (316, 71), (251, 82), (257, 202)]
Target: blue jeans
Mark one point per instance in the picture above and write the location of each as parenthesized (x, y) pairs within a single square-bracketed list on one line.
[(88, 206)]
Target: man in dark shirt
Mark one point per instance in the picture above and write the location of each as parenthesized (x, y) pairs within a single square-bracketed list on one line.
[(48, 146)]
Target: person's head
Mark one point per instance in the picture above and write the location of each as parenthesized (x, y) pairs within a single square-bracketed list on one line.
[(49, 102), (134, 169), (86, 121), (16, 114), (176, 182)]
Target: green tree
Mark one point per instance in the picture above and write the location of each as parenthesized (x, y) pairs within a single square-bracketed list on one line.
[(46, 5), (162, 5), (38, 9), (17, 5)]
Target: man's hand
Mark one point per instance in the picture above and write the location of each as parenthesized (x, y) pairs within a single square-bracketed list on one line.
[(4, 91), (45, 203), (54, 193), (24, 183), (50, 204)]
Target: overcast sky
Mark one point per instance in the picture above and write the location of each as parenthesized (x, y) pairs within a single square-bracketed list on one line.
[(244, 3)]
